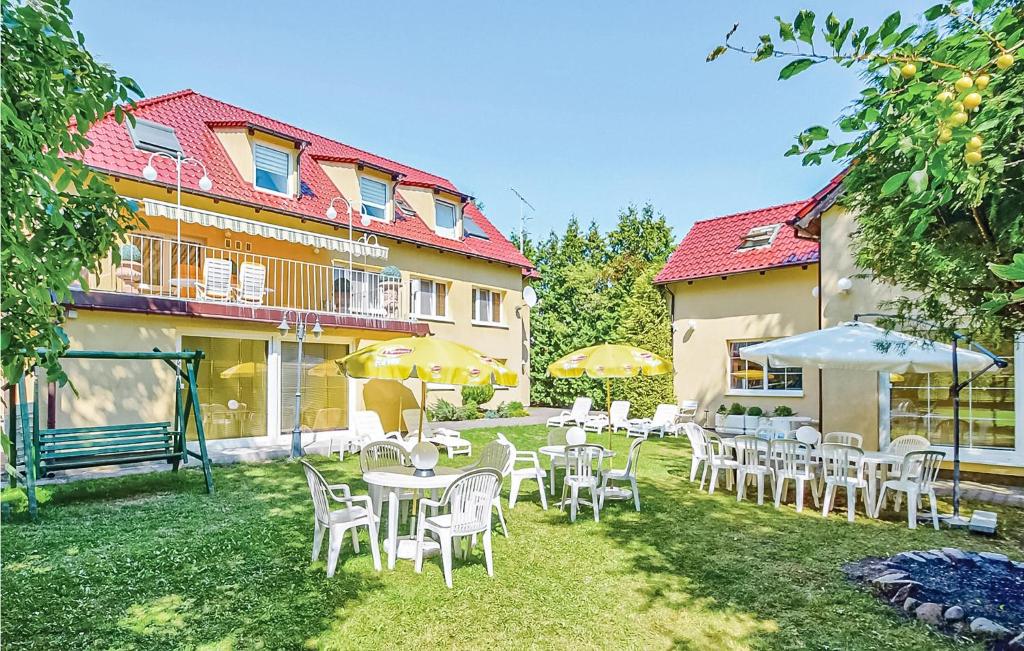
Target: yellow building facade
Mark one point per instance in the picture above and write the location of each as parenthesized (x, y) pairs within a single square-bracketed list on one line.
[(291, 226)]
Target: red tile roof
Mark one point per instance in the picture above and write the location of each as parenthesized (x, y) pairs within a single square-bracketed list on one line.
[(711, 246), (193, 115)]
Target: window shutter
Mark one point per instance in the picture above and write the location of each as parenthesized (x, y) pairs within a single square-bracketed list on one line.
[(496, 307), (442, 291), (272, 160), (372, 191)]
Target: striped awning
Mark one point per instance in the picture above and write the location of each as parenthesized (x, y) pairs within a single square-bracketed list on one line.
[(259, 229)]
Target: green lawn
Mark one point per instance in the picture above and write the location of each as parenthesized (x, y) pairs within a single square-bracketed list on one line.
[(152, 562)]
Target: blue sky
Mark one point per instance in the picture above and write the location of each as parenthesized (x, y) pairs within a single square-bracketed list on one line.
[(582, 107)]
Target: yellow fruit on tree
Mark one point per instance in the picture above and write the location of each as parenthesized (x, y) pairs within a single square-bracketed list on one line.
[(974, 144), (944, 96), (981, 83), (945, 134), (908, 70), (963, 83), (1004, 61), (958, 107), (958, 119), (972, 157), (973, 100)]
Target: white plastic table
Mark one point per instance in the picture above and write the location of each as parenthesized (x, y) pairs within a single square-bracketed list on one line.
[(873, 462), (395, 479), (555, 452)]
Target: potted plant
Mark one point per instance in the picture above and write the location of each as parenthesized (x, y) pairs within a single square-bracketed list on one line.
[(735, 419), (720, 417), (782, 418), (390, 285), (129, 271)]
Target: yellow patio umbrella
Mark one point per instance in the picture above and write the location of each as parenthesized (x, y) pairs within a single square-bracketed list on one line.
[(608, 361), (243, 370), (428, 359), (327, 368)]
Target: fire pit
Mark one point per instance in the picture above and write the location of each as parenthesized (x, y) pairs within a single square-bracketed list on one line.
[(980, 594)]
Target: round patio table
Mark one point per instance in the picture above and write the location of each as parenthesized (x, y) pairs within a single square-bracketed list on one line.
[(394, 480), (556, 452)]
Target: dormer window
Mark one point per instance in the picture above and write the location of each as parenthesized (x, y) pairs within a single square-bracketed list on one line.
[(446, 217), (273, 169), (759, 237), (375, 198)]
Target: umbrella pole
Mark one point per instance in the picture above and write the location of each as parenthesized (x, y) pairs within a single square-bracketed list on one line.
[(956, 520), (423, 407), (608, 407)]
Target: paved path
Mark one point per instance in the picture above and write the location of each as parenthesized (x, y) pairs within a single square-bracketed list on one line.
[(973, 491), (538, 416)]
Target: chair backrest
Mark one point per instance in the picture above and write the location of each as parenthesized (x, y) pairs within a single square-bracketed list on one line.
[(556, 436), (633, 460), (665, 415), (921, 466), (580, 408), (688, 408), (497, 456), (809, 435), (318, 491), (619, 411), (713, 445), (380, 454), (907, 443), (252, 280), (752, 451), (217, 277), (471, 498), (367, 424), (791, 456), (695, 434), (845, 438), (842, 461), (583, 461), (766, 432)]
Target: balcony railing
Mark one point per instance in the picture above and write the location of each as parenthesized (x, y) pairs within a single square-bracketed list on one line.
[(161, 267)]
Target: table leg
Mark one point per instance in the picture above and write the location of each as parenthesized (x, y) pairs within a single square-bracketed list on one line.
[(392, 528), (872, 489), (551, 478)]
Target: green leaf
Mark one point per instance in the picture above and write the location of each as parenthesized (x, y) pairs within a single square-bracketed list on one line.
[(936, 11), (715, 53), (785, 30), (804, 25), (795, 67), (1012, 272), (889, 25), (894, 183)]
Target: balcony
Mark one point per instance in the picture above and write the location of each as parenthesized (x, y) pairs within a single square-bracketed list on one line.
[(225, 282)]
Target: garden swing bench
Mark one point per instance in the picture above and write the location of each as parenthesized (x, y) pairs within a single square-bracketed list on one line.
[(45, 450)]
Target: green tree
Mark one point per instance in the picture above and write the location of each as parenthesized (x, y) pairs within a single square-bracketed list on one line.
[(646, 323), (58, 216), (936, 146)]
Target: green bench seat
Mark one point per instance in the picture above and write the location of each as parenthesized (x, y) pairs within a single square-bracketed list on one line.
[(86, 447)]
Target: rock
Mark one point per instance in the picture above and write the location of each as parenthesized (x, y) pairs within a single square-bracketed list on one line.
[(954, 614), (890, 588), (888, 577), (954, 554), (987, 628), (1016, 643), (910, 556), (992, 556), (930, 613), (1017, 564), (904, 593), (910, 604), (937, 553)]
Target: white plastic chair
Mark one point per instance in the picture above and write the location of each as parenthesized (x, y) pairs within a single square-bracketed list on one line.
[(698, 447), (753, 457), (338, 521), (252, 283), (901, 445), (626, 474), (792, 459), (382, 454), (496, 455), (451, 440), (575, 416), (216, 283), (844, 468), (663, 421), (619, 418), (367, 428), (719, 460), (688, 410), (844, 438), (582, 470), (532, 471), (808, 436), (469, 501), (917, 478)]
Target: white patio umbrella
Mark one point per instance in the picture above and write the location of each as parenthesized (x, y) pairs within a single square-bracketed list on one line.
[(859, 346)]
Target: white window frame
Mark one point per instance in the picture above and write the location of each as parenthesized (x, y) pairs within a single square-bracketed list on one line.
[(387, 200), (764, 392), (453, 232), (986, 456), (414, 293), (488, 322), (291, 168)]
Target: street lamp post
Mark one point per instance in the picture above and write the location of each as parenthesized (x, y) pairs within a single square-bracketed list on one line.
[(149, 173), (301, 319)]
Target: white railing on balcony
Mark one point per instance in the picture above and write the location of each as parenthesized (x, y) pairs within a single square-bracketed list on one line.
[(157, 266)]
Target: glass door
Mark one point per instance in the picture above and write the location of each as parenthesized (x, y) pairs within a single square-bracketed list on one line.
[(232, 386), (324, 388)]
